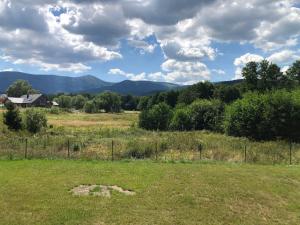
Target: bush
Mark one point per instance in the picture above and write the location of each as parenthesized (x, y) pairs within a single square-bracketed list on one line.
[(35, 120), (12, 118), (138, 150), (90, 107), (207, 115), (265, 116), (181, 120), (156, 118)]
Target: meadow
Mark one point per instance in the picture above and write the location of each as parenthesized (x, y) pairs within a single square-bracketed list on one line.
[(106, 136)]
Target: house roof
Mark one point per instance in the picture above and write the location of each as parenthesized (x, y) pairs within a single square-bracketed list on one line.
[(25, 99), (30, 98), (3, 96), (16, 100)]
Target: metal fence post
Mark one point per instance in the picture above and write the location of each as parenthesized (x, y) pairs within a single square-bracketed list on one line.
[(245, 156), (112, 150), (156, 151), (291, 146), (26, 148), (68, 148)]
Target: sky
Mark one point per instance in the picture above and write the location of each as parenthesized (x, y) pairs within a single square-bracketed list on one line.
[(177, 41)]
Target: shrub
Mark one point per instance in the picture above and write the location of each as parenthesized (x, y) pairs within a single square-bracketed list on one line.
[(156, 118), (265, 116), (207, 115), (138, 150), (181, 120), (12, 118), (35, 120)]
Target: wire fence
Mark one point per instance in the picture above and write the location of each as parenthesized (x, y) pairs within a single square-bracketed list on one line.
[(49, 147)]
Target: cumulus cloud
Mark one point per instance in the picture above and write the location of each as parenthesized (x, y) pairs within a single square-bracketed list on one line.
[(284, 57), (172, 71), (69, 35), (242, 61)]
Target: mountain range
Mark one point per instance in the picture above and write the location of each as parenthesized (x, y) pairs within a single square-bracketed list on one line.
[(53, 84)]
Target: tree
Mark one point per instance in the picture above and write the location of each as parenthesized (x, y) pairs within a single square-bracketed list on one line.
[(263, 76), (293, 72), (250, 74), (182, 120), (143, 103), (35, 120), (227, 94), (90, 107), (202, 90), (265, 116), (129, 102), (78, 101), (12, 118), (207, 115), (109, 101), (19, 88), (156, 118), (64, 101)]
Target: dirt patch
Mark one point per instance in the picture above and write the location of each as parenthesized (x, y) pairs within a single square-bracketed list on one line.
[(99, 190)]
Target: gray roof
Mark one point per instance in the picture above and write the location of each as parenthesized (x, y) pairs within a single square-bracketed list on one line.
[(25, 99), (3, 95), (30, 98)]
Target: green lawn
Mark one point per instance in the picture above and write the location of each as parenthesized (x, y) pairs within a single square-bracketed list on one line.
[(37, 192)]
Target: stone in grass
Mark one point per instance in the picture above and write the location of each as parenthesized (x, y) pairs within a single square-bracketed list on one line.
[(99, 190)]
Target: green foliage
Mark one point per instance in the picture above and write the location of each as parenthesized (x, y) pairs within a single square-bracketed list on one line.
[(156, 118), (109, 101), (143, 103), (293, 72), (78, 101), (35, 120), (227, 94), (182, 120), (129, 102), (207, 115), (203, 90), (64, 101), (90, 107), (19, 88), (263, 76), (265, 116), (12, 118)]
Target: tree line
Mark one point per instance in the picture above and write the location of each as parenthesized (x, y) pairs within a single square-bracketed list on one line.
[(265, 106)]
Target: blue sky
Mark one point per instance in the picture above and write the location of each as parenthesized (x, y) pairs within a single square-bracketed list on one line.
[(175, 41)]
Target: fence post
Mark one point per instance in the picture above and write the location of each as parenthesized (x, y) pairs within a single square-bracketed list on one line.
[(200, 147), (291, 146), (156, 150), (26, 148), (112, 150), (245, 156), (68, 148)]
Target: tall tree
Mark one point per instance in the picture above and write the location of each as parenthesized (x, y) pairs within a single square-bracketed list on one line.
[(250, 73), (293, 72), (19, 88)]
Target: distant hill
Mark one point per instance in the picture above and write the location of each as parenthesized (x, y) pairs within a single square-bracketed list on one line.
[(137, 87), (52, 84), (230, 82)]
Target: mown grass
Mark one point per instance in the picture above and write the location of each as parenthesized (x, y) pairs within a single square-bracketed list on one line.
[(37, 192)]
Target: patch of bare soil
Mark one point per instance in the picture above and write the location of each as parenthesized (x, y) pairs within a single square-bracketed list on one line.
[(99, 190)]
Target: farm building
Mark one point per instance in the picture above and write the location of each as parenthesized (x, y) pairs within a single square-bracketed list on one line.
[(34, 100)]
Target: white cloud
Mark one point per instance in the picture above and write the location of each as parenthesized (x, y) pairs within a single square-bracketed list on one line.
[(242, 61), (284, 57)]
